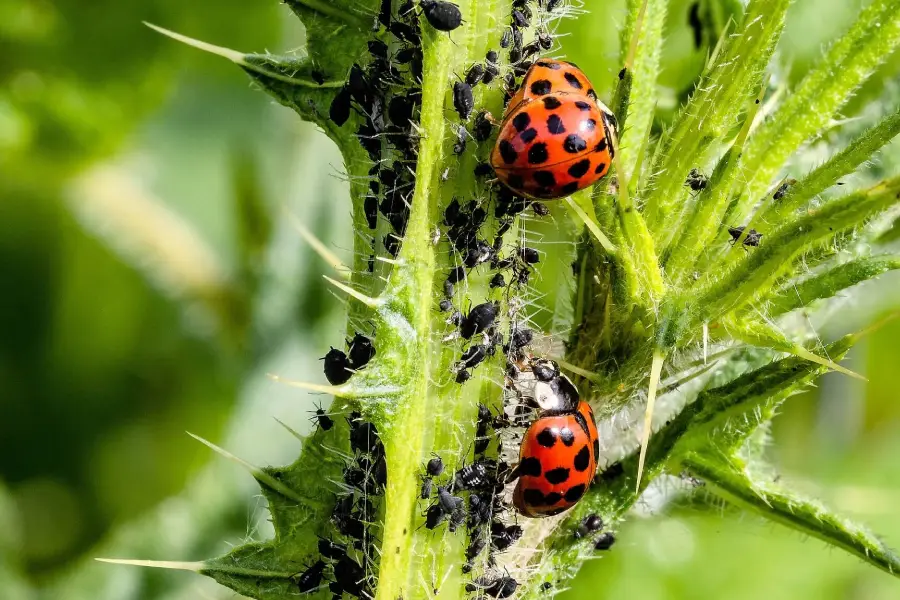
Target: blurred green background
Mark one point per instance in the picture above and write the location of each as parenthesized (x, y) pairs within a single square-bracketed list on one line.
[(152, 277)]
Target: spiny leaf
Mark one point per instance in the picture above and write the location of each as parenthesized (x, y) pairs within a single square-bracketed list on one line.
[(702, 216), (643, 47), (846, 65), (729, 414), (731, 479), (797, 294), (712, 110), (826, 175), (758, 269)]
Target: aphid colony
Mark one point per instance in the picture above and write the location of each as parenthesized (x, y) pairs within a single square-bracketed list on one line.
[(348, 566), (387, 95), (555, 138)]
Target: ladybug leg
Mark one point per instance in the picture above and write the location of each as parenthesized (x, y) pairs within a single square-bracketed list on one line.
[(507, 475)]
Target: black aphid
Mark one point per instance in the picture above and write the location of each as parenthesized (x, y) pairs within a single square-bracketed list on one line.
[(310, 579), (336, 365), (325, 422), (331, 550), (589, 524), (605, 541), (502, 537), (479, 319), (529, 255), (435, 466), (361, 351), (753, 237), (475, 74), (463, 100), (696, 180), (443, 16), (503, 586), (482, 128)]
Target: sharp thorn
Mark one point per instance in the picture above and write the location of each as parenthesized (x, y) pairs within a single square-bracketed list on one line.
[(290, 430), (260, 475), (591, 225), (367, 300), (156, 564), (655, 370), (318, 246)]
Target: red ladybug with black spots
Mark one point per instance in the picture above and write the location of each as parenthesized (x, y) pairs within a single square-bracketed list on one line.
[(556, 137), (558, 455)]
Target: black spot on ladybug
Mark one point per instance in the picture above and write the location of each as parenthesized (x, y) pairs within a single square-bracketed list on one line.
[(537, 154), (555, 66), (507, 152), (515, 180), (557, 475), (521, 121), (573, 81), (600, 167), (583, 459), (582, 105), (580, 168), (569, 188), (601, 146), (552, 498), (588, 125), (574, 144), (555, 125), (544, 178), (443, 16), (530, 466), (596, 448), (551, 103), (533, 497), (574, 493), (528, 135), (541, 87), (566, 436), (547, 438)]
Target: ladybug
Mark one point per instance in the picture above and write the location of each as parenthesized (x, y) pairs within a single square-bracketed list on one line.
[(556, 137), (558, 454)]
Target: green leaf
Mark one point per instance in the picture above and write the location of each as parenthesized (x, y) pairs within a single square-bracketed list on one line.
[(646, 44), (727, 415), (827, 174), (712, 111), (760, 267), (731, 479), (809, 108), (797, 294)]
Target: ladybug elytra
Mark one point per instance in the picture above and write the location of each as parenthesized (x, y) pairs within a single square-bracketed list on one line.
[(558, 454), (556, 137)]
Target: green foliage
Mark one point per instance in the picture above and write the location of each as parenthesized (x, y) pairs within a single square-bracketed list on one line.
[(668, 276)]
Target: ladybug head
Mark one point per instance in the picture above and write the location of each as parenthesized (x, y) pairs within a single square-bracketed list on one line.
[(545, 370)]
